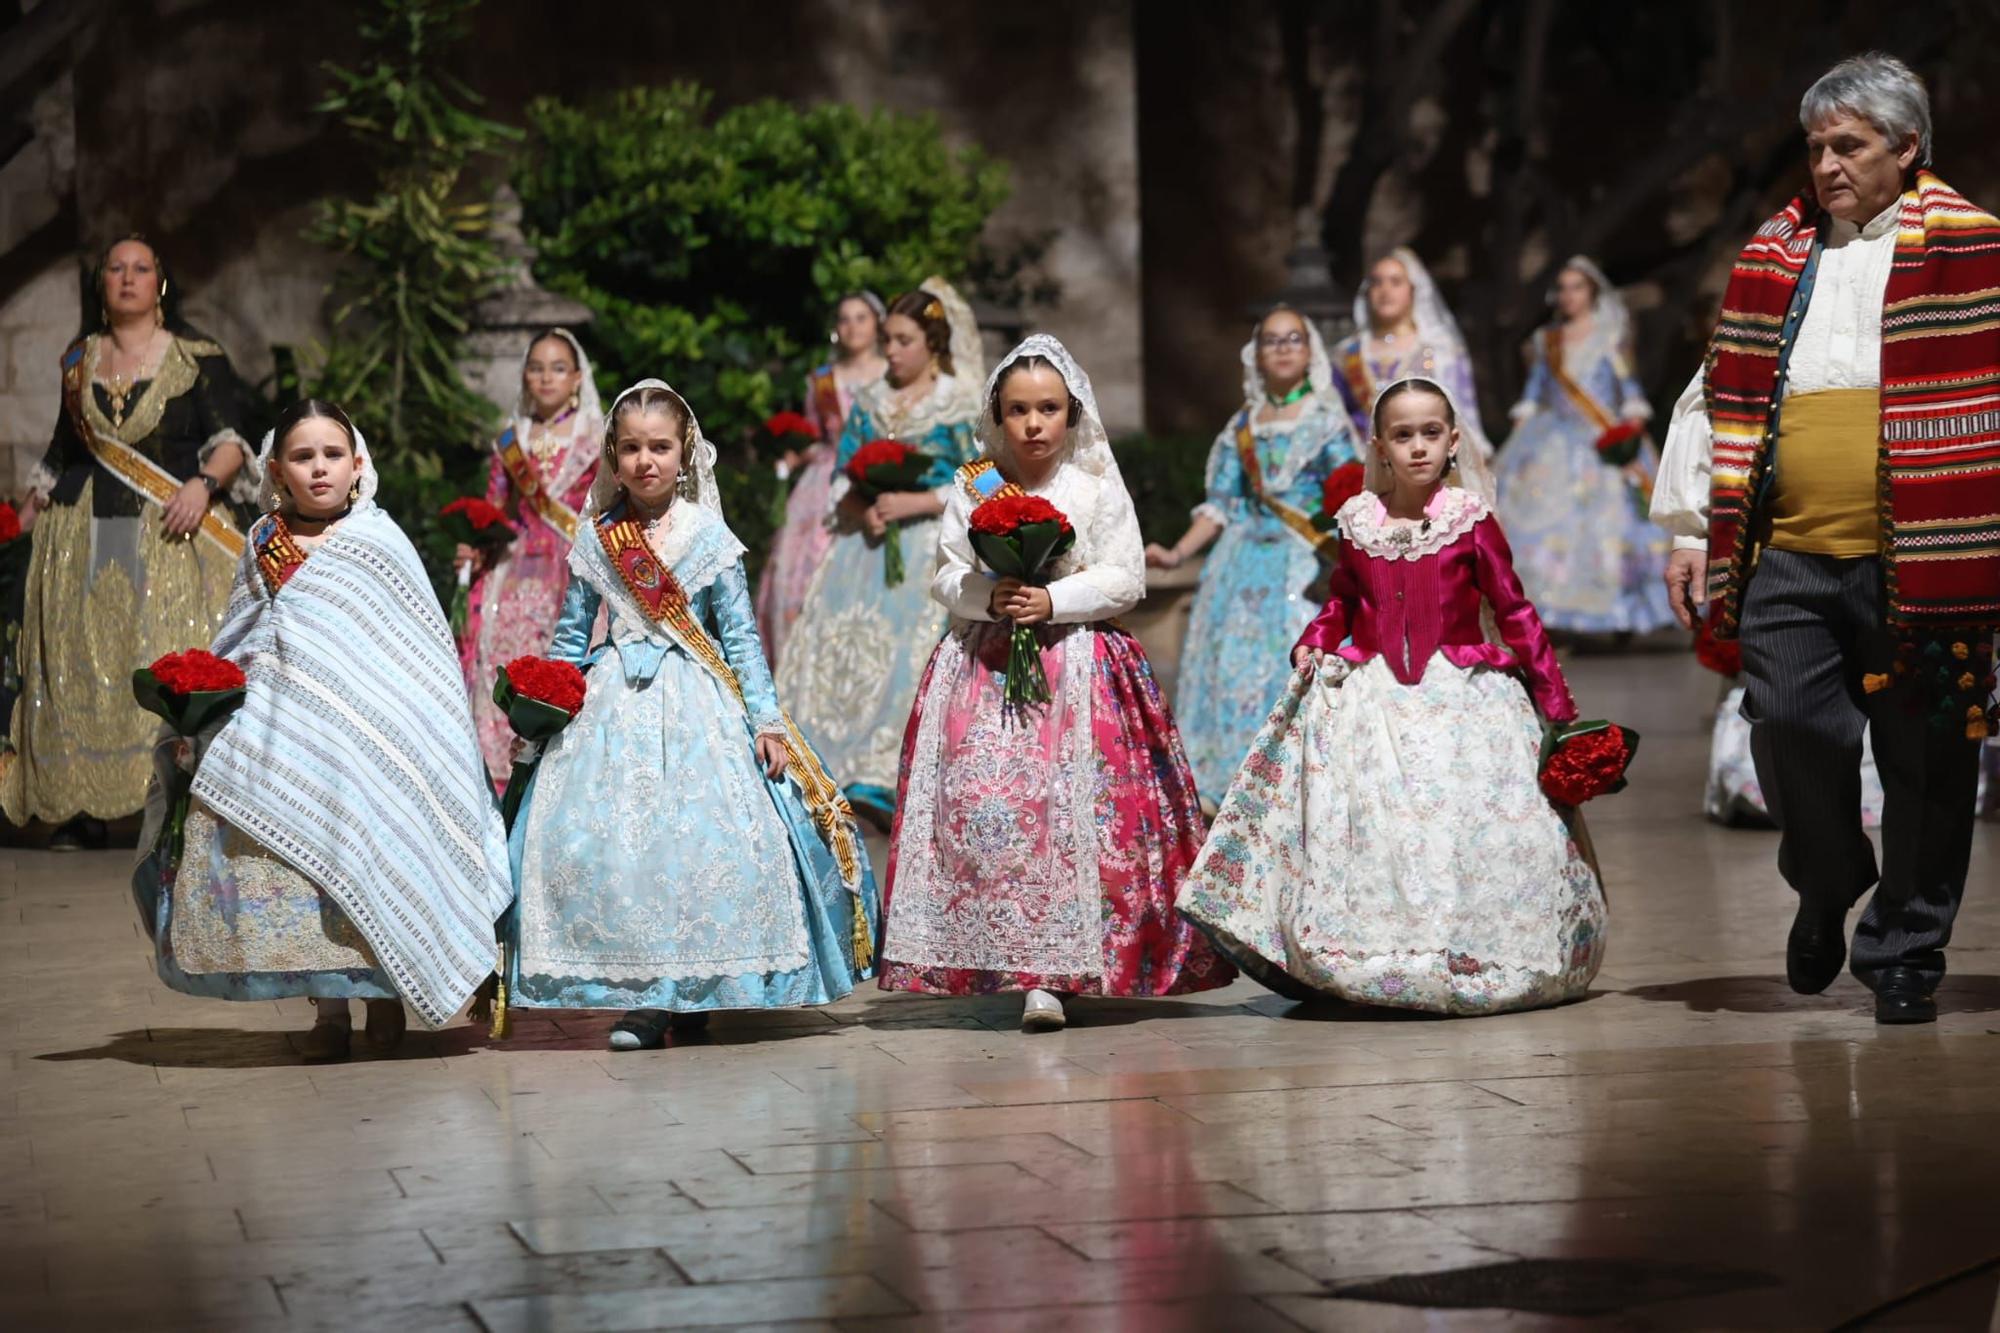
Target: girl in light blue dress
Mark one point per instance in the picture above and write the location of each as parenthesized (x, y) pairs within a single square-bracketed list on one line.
[(1584, 547), (1266, 477), (680, 848), (854, 656)]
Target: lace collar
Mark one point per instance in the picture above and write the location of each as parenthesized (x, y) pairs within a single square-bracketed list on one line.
[(1451, 514), (950, 402)]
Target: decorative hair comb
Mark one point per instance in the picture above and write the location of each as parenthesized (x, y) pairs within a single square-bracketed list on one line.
[(934, 310)]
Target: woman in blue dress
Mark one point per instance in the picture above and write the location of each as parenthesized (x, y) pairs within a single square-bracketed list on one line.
[(860, 645), (1586, 551), (680, 849), (1266, 475)]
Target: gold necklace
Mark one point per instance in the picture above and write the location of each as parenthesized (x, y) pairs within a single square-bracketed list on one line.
[(118, 387)]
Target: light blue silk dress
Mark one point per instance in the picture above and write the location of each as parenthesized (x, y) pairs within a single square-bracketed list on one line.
[(857, 652), (1590, 558), (658, 867), (1252, 604)]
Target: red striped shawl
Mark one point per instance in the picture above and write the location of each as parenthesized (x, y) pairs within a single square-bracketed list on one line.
[(1940, 445)]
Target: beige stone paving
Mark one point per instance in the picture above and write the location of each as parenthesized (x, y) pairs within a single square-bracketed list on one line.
[(1217, 1162)]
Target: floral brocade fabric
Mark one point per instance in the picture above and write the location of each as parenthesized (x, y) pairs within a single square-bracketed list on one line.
[(1045, 848), (1389, 844)]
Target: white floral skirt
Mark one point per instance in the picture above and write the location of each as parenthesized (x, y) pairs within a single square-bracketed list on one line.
[(1390, 844)]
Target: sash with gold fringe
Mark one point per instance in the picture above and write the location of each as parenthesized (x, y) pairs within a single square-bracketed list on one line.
[(1300, 522), (530, 488), (146, 478), (660, 596)]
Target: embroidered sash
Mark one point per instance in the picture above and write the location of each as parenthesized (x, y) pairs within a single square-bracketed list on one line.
[(825, 392), (981, 481), (1300, 522), (528, 485), (659, 595), (279, 556), (146, 478), (1581, 398)]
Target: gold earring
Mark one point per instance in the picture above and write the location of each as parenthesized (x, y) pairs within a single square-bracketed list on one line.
[(575, 399), (354, 492)]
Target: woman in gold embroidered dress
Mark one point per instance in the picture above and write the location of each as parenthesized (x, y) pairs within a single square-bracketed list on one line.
[(133, 553)]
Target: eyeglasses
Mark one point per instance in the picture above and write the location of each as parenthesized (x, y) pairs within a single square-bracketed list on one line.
[(1281, 342)]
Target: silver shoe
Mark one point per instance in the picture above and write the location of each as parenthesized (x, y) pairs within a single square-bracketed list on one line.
[(1043, 1012)]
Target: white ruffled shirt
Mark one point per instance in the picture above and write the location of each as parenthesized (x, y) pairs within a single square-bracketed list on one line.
[(1102, 575), (1839, 347)]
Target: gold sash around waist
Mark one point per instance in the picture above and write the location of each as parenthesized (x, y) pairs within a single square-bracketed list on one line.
[(1824, 496)]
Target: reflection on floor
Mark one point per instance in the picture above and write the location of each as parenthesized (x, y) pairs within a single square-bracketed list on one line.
[(1724, 1153)]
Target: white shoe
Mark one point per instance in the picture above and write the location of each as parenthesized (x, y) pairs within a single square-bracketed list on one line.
[(1042, 1013)]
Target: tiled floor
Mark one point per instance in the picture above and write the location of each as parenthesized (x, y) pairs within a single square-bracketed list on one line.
[(1224, 1162)]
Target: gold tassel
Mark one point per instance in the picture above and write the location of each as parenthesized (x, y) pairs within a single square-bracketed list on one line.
[(503, 1022), (864, 946)]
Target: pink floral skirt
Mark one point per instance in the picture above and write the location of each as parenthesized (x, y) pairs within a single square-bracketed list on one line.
[(1044, 846)]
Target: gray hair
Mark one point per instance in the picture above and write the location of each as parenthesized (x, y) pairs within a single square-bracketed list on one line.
[(1880, 89)]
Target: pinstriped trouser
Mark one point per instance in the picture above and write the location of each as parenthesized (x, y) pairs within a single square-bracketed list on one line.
[(1811, 626)]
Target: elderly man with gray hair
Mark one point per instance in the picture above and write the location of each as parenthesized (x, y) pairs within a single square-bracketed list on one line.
[(1832, 481)]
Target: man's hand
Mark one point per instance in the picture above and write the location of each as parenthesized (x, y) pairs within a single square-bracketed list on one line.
[(1687, 585)]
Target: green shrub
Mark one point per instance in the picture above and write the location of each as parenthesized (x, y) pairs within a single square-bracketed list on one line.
[(418, 257), (712, 248), (1165, 475)]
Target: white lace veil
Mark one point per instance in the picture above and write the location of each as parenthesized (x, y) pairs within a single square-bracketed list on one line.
[(968, 354), (1319, 369), (1433, 317), (1613, 321), (1087, 444), (1471, 472), (697, 459), (267, 487), (588, 405)]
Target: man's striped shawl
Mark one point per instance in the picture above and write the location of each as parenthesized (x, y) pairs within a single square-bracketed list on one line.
[(1939, 462)]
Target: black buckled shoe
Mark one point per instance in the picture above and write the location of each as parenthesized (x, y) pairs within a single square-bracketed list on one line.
[(1816, 948), (1903, 995)]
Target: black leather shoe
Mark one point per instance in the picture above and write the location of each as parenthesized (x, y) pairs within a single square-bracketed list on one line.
[(1816, 948), (1903, 995)]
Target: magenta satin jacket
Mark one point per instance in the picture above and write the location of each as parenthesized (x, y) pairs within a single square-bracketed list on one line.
[(1405, 592)]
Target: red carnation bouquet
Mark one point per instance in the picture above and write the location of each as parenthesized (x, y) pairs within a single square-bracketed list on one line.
[(482, 525), (1722, 656), (782, 426), (1341, 485), (191, 691), (1619, 446), (539, 697), (1020, 536), (14, 552), (1585, 760), (878, 467)]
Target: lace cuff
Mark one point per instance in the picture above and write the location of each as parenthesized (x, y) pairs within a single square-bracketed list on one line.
[(243, 487), (1635, 409), (42, 481), (1210, 511)]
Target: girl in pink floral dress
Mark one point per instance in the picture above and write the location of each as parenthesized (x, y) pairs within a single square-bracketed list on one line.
[(543, 464), (1040, 848), (1387, 841), (802, 543)]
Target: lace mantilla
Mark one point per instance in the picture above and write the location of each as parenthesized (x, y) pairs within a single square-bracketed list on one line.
[(1451, 514)]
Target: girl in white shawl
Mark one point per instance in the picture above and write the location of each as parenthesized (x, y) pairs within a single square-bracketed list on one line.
[(342, 841)]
